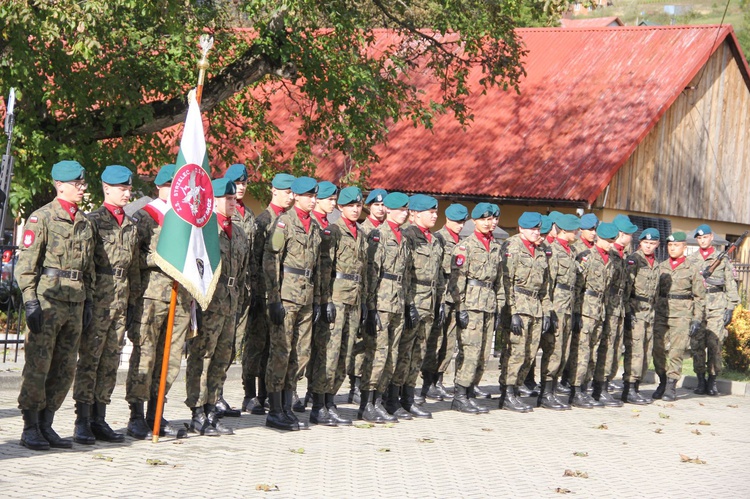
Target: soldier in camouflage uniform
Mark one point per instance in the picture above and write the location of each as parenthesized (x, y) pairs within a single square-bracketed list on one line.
[(255, 350), (441, 342), (476, 288), (680, 306), (55, 273), (291, 266), (210, 353), (638, 334), (387, 281), (721, 299), (118, 280), (149, 326)]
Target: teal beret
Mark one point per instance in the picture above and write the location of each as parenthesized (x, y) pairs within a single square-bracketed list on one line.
[(117, 175), (496, 210), (568, 222), (282, 181), (326, 189), (546, 224), (702, 230), (65, 171), (677, 237), (376, 196), (555, 216), (529, 220), (607, 230), (422, 202), (457, 213), (589, 221), (349, 195), (165, 175), (623, 224), (482, 210), (236, 173), (304, 185), (223, 187), (396, 200), (649, 234)]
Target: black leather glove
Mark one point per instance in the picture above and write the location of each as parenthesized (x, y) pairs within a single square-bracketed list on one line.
[(546, 324), (630, 320), (88, 313), (276, 313), (129, 316), (498, 320), (516, 325), (412, 316), (34, 316), (577, 323), (462, 318), (373, 323), (362, 313), (728, 313), (440, 315), (330, 313), (695, 326), (317, 311)]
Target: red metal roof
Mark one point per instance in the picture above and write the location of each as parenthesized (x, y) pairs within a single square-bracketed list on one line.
[(591, 22)]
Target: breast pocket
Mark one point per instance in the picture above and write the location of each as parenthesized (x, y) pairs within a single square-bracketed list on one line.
[(59, 240)]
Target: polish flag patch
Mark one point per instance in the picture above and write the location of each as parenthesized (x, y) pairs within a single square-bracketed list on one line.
[(280, 224), (33, 220), (28, 238)]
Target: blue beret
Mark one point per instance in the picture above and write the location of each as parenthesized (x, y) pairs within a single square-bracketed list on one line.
[(649, 234), (496, 210), (326, 189), (165, 175), (282, 181), (65, 171), (422, 202), (376, 196), (482, 210), (568, 222), (396, 200), (623, 224), (529, 220), (702, 230), (546, 224), (236, 173), (349, 195), (457, 213), (117, 175), (223, 187), (589, 221), (555, 216), (677, 237), (304, 185), (607, 230)]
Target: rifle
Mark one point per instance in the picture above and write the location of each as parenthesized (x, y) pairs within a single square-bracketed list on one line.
[(706, 273), (6, 172)]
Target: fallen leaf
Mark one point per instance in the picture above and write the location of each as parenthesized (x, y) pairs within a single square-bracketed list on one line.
[(364, 425), (384, 449), (561, 490), (581, 454), (696, 432), (704, 423), (486, 429), (177, 442), (156, 462), (389, 425), (602, 426), (733, 406), (701, 404), (658, 430), (688, 459), (668, 406), (576, 474), (102, 457), (267, 488), (635, 416), (663, 416), (635, 410), (297, 451), (425, 440)]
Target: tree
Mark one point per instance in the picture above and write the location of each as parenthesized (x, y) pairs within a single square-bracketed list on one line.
[(101, 81), (744, 33)]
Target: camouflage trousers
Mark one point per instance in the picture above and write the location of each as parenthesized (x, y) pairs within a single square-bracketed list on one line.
[(50, 361), (411, 348), (381, 352), (99, 354), (670, 342), (243, 314), (358, 354), (472, 348), (332, 347), (520, 351), (255, 344), (608, 354), (556, 349), (289, 348), (148, 334), (583, 348), (706, 344), (209, 356), (638, 343), (441, 343)]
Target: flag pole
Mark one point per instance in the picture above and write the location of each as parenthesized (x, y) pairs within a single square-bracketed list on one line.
[(206, 43)]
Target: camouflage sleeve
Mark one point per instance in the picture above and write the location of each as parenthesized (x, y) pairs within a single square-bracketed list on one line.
[(258, 249), (242, 275), (730, 284), (320, 281), (699, 296), (272, 260), (509, 276), (581, 269), (632, 273), (457, 284), (554, 269), (374, 263), (500, 286), (89, 270), (441, 281), (251, 266), (30, 257), (545, 292), (144, 241), (134, 273), (410, 274)]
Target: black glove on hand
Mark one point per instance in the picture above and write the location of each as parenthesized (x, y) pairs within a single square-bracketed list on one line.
[(276, 313), (34, 316), (695, 326), (88, 313), (362, 313), (440, 314), (629, 321), (317, 310), (462, 318), (129, 316), (412, 316), (728, 313), (330, 313), (516, 325), (577, 323), (373, 323), (546, 324)]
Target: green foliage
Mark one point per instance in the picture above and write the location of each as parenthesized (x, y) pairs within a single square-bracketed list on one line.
[(744, 34), (737, 345)]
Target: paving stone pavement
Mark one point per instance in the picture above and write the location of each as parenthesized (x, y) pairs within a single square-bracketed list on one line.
[(632, 451)]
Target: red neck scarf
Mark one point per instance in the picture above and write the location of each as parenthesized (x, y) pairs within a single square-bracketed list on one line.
[(484, 239), (650, 259), (71, 208), (564, 244), (705, 253), (427, 233), (225, 224), (352, 226), (588, 244), (278, 210), (240, 208), (396, 230), (304, 217), (604, 254), (454, 235), (550, 239), (675, 262), (529, 246), (116, 212), (375, 222), (620, 249), (322, 218)]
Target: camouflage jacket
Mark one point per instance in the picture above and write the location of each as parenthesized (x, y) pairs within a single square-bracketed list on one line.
[(593, 283), (116, 260), (578, 247), (327, 273), (368, 226), (619, 286), (526, 278), (235, 256), (349, 258), (262, 225), (247, 222), (476, 280), (681, 291), (291, 261), (387, 270), (645, 282), (426, 273), (52, 240), (563, 273), (721, 287), (448, 246)]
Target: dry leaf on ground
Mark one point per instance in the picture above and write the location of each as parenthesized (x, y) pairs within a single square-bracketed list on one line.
[(576, 474), (581, 454), (266, 487), (688, 459)]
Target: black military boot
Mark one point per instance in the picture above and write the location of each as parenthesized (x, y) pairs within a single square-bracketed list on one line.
[(32, 437), (547, 398), (561, 399), (659, 392), (166, 429), (333, 411), (200, 423), (510, 402), (579, 398), (262, 398), (100, 428), (407, 403), (605, 397), (297, 404), (471, 394), (250, 394), (461, 401), (711, 388), (82, 433), (429, 387), (670, 393), (223, 409), (46, 417), (137, 427), (380, 409), (637, 387), (563, 386), (287, 398), (701, 388), (367, 411), (276, 417), (354, 391), (319, 413), (392, 403), (479, 393), (215, 422), (444, 392), (530, 388)]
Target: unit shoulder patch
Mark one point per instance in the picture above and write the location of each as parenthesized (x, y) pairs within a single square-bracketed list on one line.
[(28, 238)]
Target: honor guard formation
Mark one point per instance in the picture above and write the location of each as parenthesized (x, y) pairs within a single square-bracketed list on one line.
[(380, 303)]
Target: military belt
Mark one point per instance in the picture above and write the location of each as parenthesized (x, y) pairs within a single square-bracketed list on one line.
[(393, 277), (425, 283), (118, 272), (73, 275), (642, 298), (294, 270), (229, 281), (348, 277), (527, 292), (591, 292), (715, 289), (563, 286), (481, 284), (616, 291), (677, 297)]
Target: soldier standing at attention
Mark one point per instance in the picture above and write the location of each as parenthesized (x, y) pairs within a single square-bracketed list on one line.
[(476, 288), (721, 299), (638, 334), (55, 273), (255, 351), (291, 267), (679, 312), (587, 238), (118, 280)]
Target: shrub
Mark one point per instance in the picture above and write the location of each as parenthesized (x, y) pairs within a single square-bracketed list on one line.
[(737, 344)]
